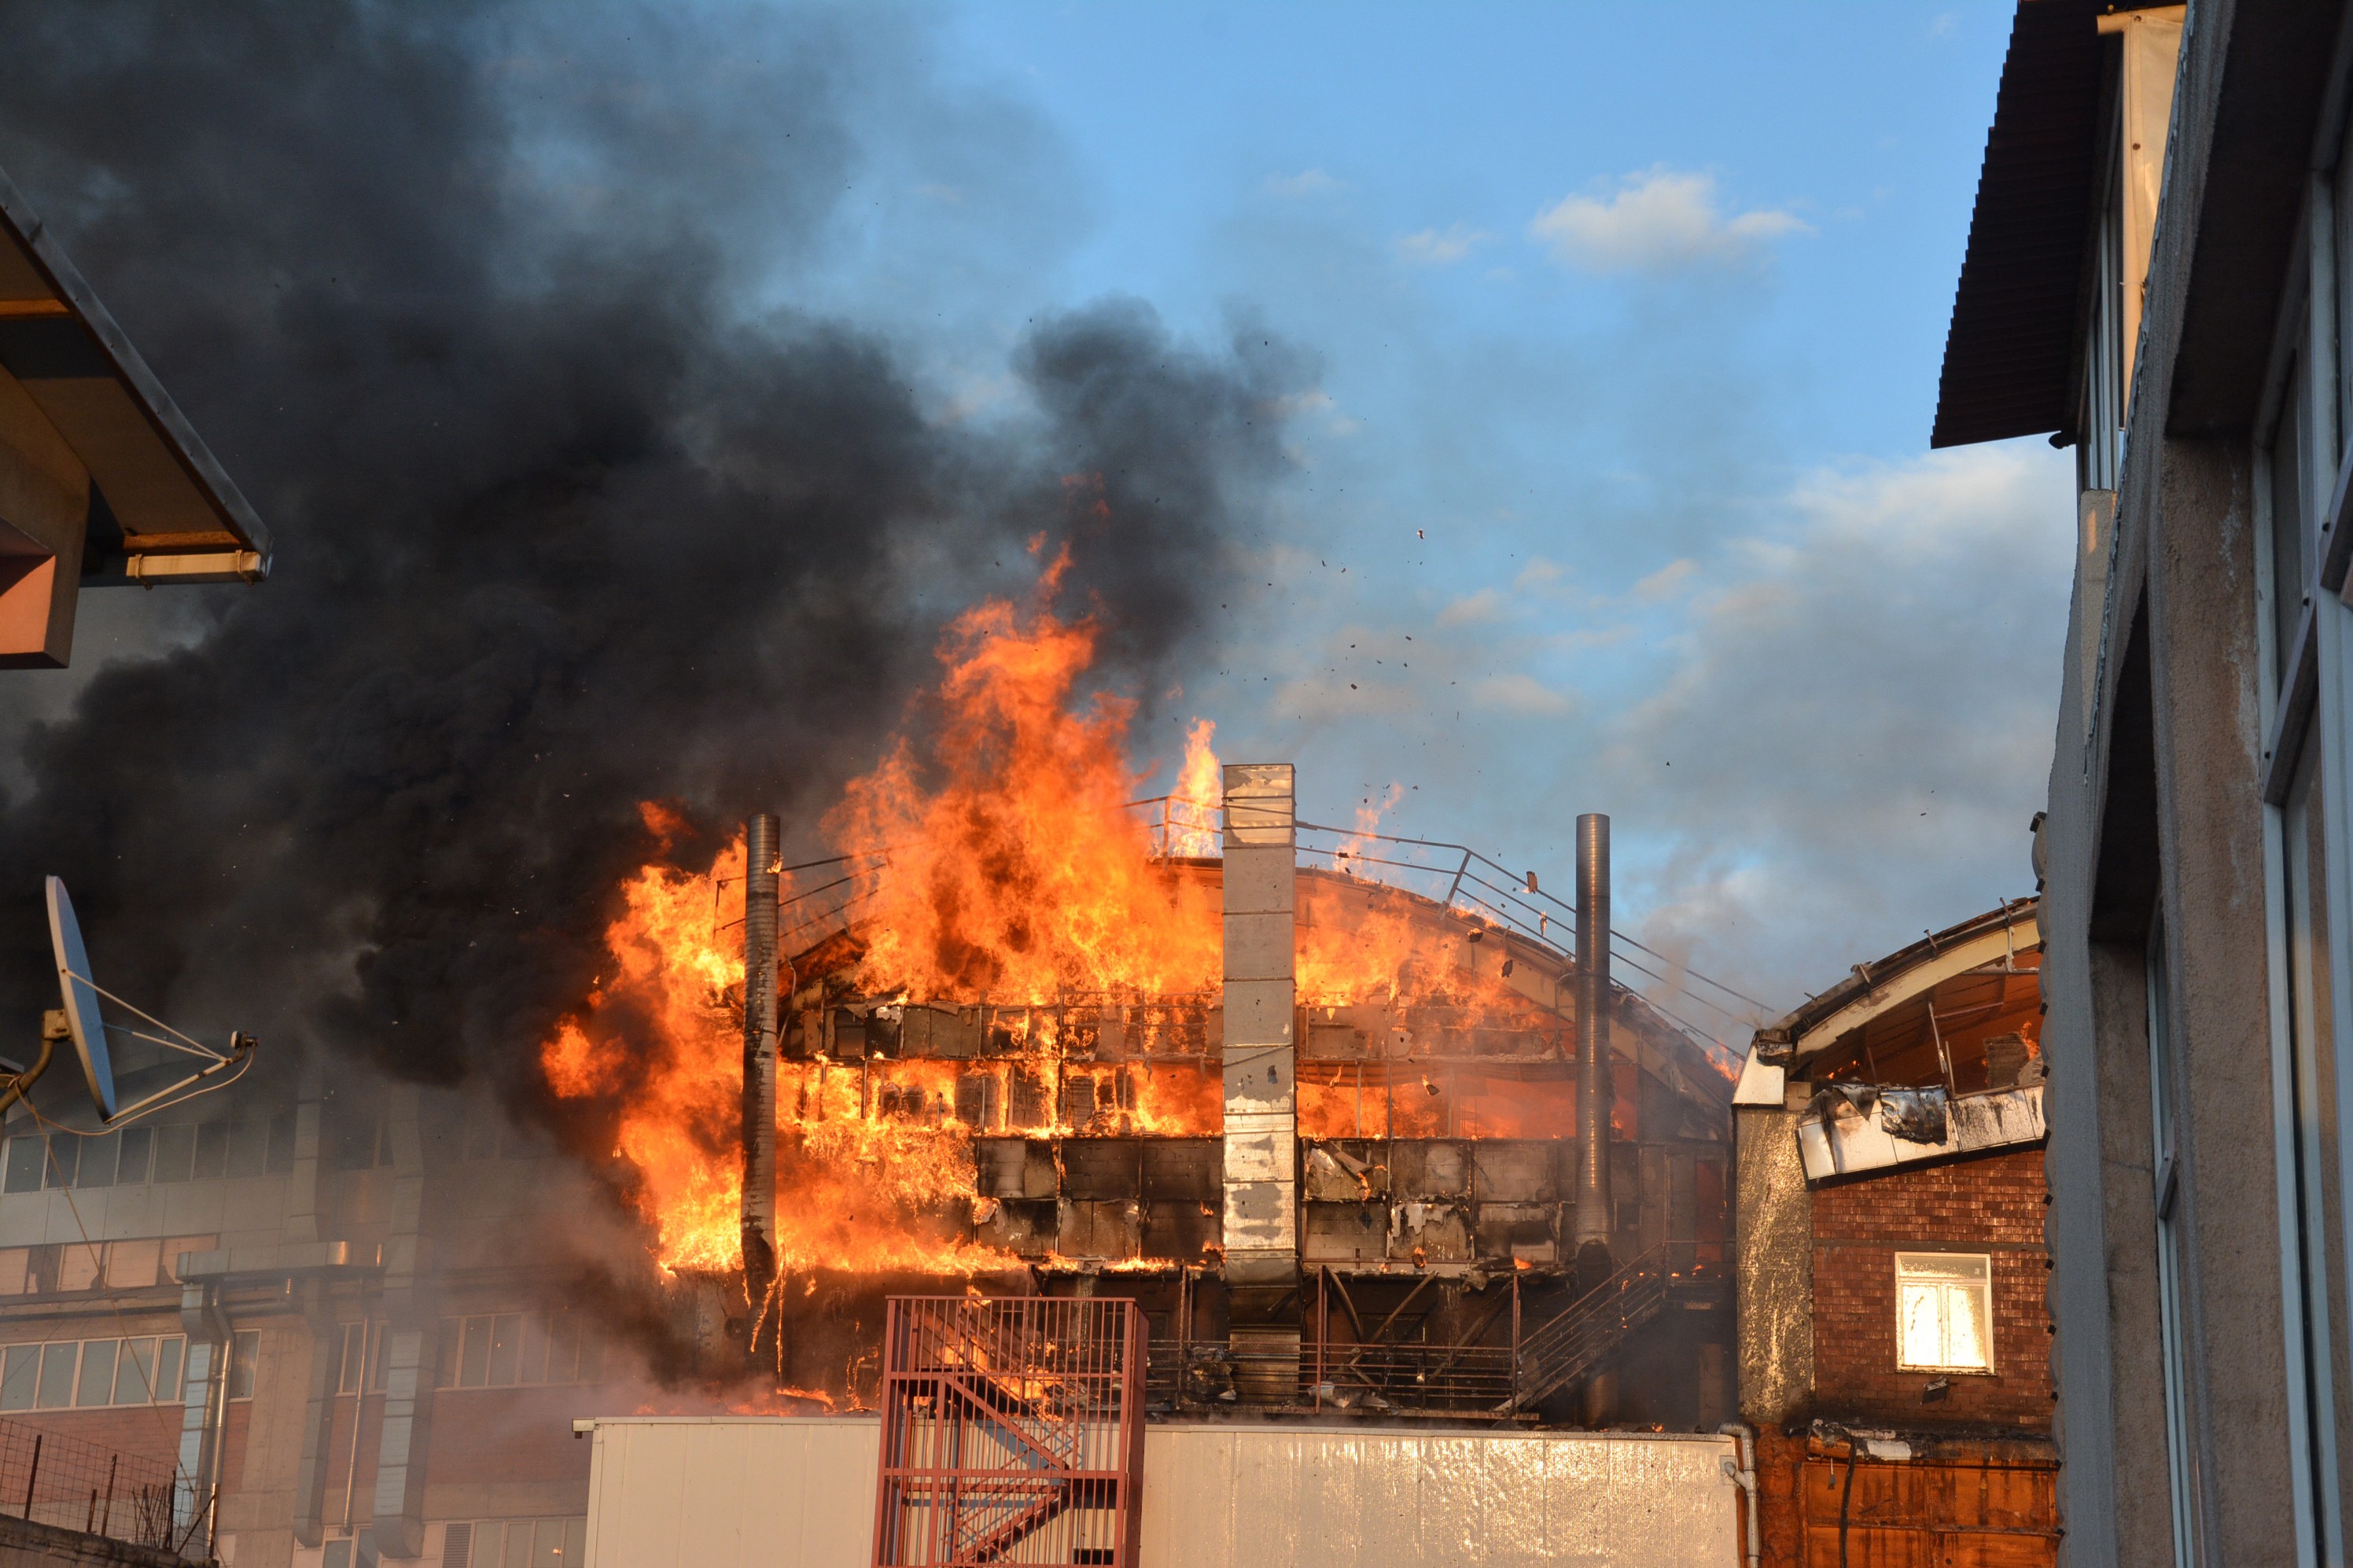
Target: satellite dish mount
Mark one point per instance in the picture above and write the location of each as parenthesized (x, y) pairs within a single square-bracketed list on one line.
[(81, 1020)]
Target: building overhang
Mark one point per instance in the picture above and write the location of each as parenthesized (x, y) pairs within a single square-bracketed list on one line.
[(2010, 354), (102, 478)]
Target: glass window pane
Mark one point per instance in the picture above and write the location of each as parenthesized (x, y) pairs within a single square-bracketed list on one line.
[(474, 1362), (535, 1349), (97, 1384), (1965, 1327), (134, 1373), (138, 1143), (506, 1348), (575, 1542), (547, 1543), (248, 1148), (57, 1374), (563, 1348), (1921, 1325), (98, 1157), (377, 1360), (65, 1154), (20, 1377), (167, 1369), (211, 1150), (338, 1555), (26, 1159), (245, 1349), (176, 1152), (592, 1357), (453, 1331), (518, 1552)]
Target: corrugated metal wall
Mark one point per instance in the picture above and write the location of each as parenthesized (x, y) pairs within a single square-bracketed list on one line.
[(732, 1492)]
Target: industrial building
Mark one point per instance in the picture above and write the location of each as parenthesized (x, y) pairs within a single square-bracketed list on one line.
[(1324, 1209)]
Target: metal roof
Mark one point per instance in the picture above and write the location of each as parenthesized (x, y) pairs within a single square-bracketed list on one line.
[(162, 508), (2010, 354)]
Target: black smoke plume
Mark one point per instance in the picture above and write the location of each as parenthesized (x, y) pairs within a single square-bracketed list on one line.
[(470, 300)]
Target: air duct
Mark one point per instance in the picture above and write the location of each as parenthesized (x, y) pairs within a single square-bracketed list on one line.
[(759, 1204), (1594, 1089)]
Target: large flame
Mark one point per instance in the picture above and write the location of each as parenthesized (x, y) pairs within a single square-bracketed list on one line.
[(1003, 888)]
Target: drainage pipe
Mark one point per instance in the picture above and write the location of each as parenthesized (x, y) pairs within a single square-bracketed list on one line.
[(1744, 1476)]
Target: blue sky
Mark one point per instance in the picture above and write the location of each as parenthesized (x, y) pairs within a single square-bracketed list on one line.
[(1630, 321), (1612, 490)]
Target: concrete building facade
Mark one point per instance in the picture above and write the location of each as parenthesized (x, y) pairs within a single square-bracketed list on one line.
[(2158, 276)]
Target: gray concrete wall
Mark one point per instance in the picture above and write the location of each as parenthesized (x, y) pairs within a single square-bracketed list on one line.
[(2154, 805), (24, 1543)]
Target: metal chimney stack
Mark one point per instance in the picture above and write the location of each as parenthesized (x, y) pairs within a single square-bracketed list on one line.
[(761, 857), (1595, 1088)]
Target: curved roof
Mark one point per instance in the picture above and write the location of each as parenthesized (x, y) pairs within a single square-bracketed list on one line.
[(1979, 971)]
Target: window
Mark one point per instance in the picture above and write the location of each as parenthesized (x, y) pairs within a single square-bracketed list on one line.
[(362, 1360), (86, 1373), (504, 1350), (244, 1352), (515, 1543), (136, 1264), (1944, 1312)]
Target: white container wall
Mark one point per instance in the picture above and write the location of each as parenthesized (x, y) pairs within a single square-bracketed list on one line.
[(736, 1491)]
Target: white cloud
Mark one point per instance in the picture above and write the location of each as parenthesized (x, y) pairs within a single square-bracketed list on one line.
[(1656, 221), (1519, 693), (1858, 719), (1666, 582), (1437, 248), (1306, 182), (1473, 609)]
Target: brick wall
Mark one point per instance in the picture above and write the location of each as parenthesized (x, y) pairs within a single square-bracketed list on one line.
[(1991, 1204)]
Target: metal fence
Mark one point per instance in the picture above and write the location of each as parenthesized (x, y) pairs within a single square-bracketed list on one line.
[(1382, 1379), (52, 1478), (1012, 1431)]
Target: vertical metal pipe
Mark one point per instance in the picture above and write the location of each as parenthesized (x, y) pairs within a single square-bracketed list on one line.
[(761, 858), (1594, 1090)]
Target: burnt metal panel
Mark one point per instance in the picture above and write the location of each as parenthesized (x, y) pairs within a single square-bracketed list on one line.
[(1103, 1168), (1528, 1231), (1345, 1233), (1430, 1169), (1179, 1229), (2010, 354), (1439, 1232), (1111, 1229), (1022, 1225), (1514, 1171), (1184, 1169)]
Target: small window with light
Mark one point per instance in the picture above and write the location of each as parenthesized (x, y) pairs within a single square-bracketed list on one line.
[(1944, 1312)]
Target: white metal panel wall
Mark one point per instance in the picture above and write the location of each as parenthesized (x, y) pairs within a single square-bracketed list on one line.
[(732, 1492)]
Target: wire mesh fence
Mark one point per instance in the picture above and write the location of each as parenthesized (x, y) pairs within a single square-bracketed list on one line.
[(51, 1478)]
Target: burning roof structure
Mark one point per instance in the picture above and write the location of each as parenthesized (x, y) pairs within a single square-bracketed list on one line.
[(1031, 1032)]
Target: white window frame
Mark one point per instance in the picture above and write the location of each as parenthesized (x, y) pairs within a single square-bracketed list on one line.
[(1981, 1288)]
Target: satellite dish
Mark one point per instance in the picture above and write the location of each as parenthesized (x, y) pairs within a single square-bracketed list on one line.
[(83, 1020)]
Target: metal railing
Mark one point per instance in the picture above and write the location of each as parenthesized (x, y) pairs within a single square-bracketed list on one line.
[(1378, 1378), (52, 1478), (1471, 884), (1574, 1343)]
